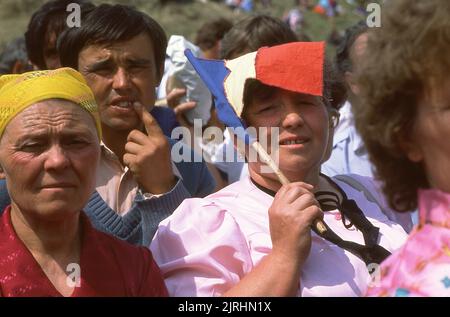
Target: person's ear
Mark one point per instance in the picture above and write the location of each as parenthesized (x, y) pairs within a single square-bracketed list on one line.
[(160, 74), (334, 116), (2, 173), (411, 149), (333, 122), (350, 79)]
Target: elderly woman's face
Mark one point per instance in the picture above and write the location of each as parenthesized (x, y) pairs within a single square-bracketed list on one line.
[(303, 128), (49, 153), (429, 141)]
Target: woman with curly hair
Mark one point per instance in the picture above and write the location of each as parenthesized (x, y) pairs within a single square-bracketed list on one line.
[(404, 119)]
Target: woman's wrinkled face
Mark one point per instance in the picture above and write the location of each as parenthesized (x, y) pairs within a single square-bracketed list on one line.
[(49, 153), (429, 140), (302, 122)]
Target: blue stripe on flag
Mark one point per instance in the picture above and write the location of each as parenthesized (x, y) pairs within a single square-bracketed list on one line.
[(213, 74)]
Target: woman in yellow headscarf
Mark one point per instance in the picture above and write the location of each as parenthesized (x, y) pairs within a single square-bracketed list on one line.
[(49, 151)]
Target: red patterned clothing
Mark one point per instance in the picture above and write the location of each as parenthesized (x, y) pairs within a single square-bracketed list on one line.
[(108, 266)]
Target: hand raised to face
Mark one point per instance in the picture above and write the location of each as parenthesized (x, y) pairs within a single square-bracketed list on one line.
[(147, 155)]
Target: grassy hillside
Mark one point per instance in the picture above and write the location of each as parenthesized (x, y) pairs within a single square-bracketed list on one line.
[(177, 18)]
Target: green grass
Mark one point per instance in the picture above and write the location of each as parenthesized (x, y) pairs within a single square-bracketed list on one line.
[(183, 19)]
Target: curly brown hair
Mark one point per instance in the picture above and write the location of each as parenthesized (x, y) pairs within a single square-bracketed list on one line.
[(404, 57)]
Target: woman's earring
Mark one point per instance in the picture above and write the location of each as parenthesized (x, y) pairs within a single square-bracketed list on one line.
[(334, 118)]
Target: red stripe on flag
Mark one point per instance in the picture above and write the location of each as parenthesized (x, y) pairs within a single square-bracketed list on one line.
[(294, 66)]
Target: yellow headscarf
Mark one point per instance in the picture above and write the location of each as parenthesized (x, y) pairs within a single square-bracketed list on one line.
[(17, 92)]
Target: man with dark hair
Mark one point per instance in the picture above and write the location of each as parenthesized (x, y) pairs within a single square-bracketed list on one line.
[(120, 52), (250, 34), (49, 21), (344, 57), (43, 29), (349, 155), (210, 34)]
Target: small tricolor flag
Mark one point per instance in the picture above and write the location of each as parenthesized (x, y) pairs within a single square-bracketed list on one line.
[(296, 66)]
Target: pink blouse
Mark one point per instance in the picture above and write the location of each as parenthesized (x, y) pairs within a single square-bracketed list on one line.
[(422, 266), (209, 244)]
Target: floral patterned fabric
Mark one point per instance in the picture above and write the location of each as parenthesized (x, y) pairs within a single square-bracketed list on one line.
[(422, 266)]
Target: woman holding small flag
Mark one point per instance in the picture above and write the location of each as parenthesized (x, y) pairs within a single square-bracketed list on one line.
[(254, 238)]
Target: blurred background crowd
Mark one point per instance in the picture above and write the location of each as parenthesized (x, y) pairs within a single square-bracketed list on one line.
[(311, 19)]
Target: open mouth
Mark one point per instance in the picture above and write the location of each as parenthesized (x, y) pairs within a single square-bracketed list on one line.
[(124, 104), (61, 185), (293, 141), (290, 142)]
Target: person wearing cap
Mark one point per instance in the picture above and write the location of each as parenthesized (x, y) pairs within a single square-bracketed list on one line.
[(253, 238), (49, 150)]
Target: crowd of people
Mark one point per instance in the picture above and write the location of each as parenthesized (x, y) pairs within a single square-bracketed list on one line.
[(95, 200)]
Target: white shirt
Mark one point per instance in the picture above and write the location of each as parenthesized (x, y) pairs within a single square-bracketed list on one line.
[(349, 156)]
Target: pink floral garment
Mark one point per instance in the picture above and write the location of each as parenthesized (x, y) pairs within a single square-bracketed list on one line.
[(422, 266)]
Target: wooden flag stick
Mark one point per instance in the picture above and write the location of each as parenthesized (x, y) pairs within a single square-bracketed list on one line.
[(267, 159)]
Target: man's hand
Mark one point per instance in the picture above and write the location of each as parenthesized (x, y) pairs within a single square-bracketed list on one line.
[(148, 155), (173, 99)]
